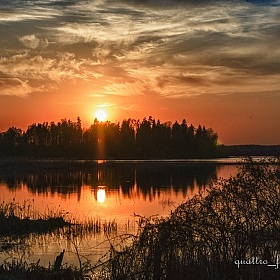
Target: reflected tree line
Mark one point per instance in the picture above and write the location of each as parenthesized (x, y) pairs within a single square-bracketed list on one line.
[(181, 179), (132, 139)]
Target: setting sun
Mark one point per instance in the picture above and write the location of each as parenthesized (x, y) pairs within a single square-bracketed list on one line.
[(100, 115)]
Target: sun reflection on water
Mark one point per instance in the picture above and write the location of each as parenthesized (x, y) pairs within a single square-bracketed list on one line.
[(101, 194)]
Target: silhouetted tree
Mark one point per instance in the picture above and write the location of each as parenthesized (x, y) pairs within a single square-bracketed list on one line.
[(176, 141), (132, 139), (159, 140), (11, 142), (144, 138), (127, 139)]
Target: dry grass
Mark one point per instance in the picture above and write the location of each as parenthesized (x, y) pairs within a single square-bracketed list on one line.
[(20, 270), (16, 219)]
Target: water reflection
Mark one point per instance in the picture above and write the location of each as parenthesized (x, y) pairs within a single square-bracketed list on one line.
[(124, 178), (101, 194), (109, 194)]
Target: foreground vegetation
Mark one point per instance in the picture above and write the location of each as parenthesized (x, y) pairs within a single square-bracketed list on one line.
[(18, 219), (21, 223), (18, 270), (231, 232), (204, 238)]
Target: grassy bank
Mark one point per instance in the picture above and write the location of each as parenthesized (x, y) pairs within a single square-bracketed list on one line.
[(18, 270), (20, 221), (16, 219)]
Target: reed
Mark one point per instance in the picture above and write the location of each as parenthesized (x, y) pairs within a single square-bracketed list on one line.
[(27, 210), (16, 218), (20, 270)]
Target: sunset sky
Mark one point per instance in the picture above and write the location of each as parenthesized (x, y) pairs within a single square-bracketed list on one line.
[(211, 62)]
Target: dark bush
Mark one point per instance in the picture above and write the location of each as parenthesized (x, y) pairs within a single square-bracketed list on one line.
[(205, 238)]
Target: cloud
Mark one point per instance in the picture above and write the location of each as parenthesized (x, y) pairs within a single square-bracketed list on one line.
[(157, 47), (14, 87), (40, 68), (106, 105), (29, 41), (25, 11), (188, 79)]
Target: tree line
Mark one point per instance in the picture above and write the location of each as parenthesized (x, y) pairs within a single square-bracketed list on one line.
[(131, 139)]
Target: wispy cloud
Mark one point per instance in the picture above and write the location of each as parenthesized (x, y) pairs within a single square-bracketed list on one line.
[(14, 87), (162, 48), (107, 105)]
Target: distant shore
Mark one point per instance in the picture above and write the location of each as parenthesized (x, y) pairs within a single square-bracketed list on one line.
[(15, 164), (234, 155), (251, 150)]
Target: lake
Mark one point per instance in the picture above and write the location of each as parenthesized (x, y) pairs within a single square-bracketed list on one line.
[(111, 193)]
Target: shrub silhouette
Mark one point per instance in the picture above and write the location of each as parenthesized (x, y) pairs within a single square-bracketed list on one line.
[(238, 219)]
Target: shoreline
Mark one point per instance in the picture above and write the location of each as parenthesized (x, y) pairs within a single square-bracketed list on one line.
[(18, 164)]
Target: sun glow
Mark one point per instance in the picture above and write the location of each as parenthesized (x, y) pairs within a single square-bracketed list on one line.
[(100, 115), (101, 194)]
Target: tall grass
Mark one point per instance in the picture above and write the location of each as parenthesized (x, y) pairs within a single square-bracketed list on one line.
[(16, 218), (238, 220), (27, 210), (20, 270), (22, 225), (14, 214)]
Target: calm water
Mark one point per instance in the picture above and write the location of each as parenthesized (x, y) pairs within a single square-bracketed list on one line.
[(109, 192)]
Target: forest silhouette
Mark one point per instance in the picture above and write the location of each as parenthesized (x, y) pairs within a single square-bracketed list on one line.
[(131, 139)]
